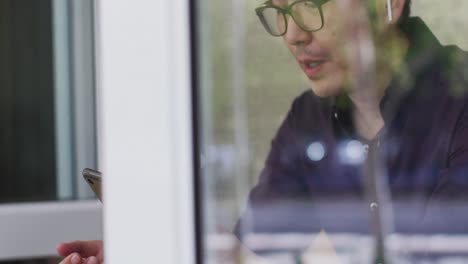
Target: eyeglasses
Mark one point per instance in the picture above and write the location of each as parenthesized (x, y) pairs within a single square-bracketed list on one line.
[(307, 14)]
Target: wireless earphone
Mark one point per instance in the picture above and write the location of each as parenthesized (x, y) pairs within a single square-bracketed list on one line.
[(389, 11)]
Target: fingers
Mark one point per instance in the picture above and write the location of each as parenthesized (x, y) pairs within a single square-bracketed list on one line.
[(73, 259), (92, 260), (83, 248)]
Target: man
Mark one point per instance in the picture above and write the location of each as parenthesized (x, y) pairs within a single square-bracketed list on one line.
[(388, 102)]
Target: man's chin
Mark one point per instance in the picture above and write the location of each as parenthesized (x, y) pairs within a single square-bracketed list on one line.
[(323, 90)]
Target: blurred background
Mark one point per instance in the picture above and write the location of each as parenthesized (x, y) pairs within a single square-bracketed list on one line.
[(248, 80)]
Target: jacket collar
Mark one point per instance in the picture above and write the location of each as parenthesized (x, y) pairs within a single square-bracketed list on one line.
[(423, 51)]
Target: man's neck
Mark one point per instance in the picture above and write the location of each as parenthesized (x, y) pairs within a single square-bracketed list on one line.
[(390, 53), (367, 117)]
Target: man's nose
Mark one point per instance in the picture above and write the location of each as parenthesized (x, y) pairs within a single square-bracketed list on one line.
[(295, 35)]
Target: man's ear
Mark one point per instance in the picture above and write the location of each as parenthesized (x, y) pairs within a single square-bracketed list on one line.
[(396, 10)]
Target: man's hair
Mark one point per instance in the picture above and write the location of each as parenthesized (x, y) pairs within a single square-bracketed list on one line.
[(406, 10), (372, 9)]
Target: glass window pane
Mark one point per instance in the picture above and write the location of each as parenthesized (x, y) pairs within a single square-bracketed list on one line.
[(47, 99), (27, 99), (345, 145)]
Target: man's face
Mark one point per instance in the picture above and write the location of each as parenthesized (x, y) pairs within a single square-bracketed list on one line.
[(321, 54)]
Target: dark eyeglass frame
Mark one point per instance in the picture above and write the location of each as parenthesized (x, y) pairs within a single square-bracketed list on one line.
[(287, 10)]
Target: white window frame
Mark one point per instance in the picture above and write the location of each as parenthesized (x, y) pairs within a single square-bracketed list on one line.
[(33, 230), (145, 130)]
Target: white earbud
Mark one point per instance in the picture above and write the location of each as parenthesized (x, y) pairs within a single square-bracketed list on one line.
[(389, 11)]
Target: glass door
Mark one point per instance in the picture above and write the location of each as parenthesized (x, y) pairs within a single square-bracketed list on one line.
[(320, 131)]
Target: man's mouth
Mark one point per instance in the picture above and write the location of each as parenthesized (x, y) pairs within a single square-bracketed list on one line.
[(313, 68), (315, 64)]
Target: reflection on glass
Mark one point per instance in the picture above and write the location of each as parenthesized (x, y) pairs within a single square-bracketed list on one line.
[(367, 165), (316, 151)]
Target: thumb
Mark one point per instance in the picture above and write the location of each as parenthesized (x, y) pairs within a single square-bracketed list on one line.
[(73, 259)]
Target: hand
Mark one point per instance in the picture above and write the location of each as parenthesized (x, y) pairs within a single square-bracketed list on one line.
[(81, 252)]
